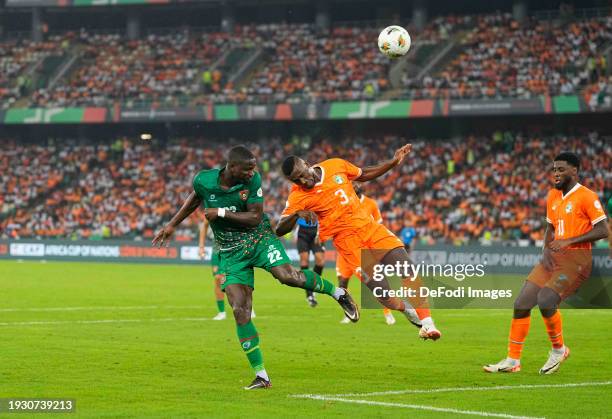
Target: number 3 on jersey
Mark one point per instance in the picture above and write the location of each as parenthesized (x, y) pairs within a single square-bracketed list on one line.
[(344, 199)]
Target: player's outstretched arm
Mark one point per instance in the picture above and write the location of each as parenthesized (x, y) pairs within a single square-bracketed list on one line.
[(163, 236), (373, 172), (599, 231), (249, 218), (286, 224)]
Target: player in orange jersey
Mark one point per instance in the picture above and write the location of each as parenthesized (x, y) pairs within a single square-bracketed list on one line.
[(324, 191), (575, 219), (343, 270)]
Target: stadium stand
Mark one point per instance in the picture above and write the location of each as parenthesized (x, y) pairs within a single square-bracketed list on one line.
[(497, 58), (504, 59), (486, 189)]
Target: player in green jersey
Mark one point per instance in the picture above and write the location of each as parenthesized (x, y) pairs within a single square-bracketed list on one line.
[(233, 201), (216, 270)]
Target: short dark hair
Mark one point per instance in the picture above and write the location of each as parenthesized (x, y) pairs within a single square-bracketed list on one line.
[(289, 165), (240, 153), (569, 157)]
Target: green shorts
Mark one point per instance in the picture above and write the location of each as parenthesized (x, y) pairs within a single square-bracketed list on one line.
[(237, 264), (214, 262)]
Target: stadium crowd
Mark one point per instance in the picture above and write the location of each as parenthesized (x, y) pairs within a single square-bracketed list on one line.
[(164, 69), (300, 62), (502, 58), (456, 191), (16, 56)]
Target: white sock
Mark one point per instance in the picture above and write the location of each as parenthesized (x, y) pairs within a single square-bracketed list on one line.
[(428, 322), (338, 292), (263, 374), (411, 314), (559, 351), (514, 361)]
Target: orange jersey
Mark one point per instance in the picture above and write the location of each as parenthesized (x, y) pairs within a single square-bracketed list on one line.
[(573, 214), (372, 208), (333, 199)]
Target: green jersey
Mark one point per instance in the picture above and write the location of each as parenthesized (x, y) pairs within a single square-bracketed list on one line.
[(229, 235), (610, 207)]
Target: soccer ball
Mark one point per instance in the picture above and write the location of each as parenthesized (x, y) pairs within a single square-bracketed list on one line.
[(394, 41)]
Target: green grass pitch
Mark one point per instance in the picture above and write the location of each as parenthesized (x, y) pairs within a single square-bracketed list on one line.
[(137, 340)]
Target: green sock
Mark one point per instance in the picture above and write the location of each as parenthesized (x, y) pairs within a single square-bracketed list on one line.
[(317, 284), (221, 306), (249, 340)]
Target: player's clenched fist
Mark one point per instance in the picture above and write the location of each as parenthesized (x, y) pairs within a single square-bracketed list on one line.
[(402, 152), (163, 236)]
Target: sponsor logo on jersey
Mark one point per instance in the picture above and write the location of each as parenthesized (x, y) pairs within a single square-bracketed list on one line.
[(338, 179), (244, 195), (259, 193), (212, 197), (597, 204), (246, 345)]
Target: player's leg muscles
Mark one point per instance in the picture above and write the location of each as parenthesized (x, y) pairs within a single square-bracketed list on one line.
[(343, 282), (548, 301), (240, 298), (304, 265), (521, 319), (319, 262), (304, 260), (526, 300), (305, 279), (421, 305)]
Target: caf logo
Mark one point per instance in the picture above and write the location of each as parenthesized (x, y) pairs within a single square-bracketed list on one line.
[(246, 345), (568, 208), (244, 194), (213, 197), (338, 179)]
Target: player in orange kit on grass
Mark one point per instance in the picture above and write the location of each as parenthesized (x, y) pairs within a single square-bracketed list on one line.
[(343, 270), (324, 191), (575, 219)]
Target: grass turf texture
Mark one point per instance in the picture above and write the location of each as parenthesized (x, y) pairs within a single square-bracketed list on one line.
[(163, 360)]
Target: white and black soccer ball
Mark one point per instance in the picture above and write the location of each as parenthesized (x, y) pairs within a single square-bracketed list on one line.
[(394, 41)]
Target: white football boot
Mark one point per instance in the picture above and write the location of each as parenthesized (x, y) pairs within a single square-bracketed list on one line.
[(505, 365), (554, 361)]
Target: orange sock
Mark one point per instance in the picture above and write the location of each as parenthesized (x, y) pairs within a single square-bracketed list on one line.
[(423, 313), (518, 332), (554, 328), (386, 311)]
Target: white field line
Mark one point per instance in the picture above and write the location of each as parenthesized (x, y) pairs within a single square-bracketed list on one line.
[(96, 308), (103, 321), (461, 389), (58, 322), (416, 406)]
